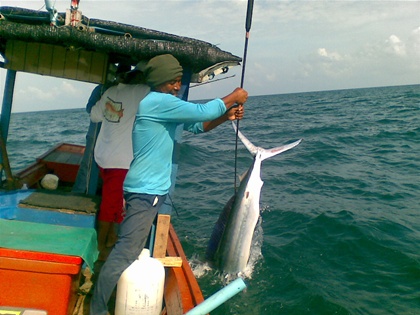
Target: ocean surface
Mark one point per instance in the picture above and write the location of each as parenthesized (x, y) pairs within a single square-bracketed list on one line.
[(340, 213)]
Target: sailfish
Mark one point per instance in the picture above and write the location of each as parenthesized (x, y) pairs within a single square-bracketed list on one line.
[(230, 243)]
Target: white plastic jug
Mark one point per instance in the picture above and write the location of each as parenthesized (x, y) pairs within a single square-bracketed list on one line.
[(140, 287)]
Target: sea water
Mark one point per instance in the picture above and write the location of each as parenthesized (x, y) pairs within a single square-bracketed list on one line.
[(340, 214)]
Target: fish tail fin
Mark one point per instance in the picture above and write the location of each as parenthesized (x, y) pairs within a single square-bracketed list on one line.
[(248, 144), (266, 153)]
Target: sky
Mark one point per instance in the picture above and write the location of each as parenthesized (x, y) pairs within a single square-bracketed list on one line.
[(294, 46)]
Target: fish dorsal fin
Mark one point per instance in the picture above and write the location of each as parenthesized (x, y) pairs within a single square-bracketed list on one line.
[(264, 153), (241, 177)]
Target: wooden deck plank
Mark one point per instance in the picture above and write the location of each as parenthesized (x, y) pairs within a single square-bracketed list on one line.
[(64, 157), (161, 235)]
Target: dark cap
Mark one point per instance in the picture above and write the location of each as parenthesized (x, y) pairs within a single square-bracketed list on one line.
[(161, 69)]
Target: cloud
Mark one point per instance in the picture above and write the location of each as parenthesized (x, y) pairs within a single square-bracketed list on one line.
[(270, 74), (395, 45), (371, 61), (37, 92), (294, 46), (33, 93), (68, 88), (323, 63), (334, 56)]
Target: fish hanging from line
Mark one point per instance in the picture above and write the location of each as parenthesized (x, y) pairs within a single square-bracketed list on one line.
[(230, 243)]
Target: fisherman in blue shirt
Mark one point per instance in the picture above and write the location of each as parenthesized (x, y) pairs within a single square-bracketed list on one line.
[(149, 178)]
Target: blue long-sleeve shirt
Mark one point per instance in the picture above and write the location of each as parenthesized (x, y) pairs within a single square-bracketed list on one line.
[(94, 97), (154, 128)]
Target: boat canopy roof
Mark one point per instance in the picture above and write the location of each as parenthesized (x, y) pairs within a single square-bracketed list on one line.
[(90, 49)]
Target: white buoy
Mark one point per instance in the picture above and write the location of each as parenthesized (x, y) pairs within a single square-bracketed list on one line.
[(50, 182), (140, 287)]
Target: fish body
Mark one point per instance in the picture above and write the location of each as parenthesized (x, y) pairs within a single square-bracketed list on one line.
[(230, 243)]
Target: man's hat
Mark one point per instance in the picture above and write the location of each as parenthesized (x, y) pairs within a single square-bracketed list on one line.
[(161, 69)]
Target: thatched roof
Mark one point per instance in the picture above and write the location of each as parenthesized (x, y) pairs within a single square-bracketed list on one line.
[(121, 42)]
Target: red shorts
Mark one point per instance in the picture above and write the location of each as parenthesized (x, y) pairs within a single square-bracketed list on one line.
[(112, 194)]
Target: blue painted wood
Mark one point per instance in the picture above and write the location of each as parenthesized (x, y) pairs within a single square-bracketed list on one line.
[(6, 109), (5, 121)]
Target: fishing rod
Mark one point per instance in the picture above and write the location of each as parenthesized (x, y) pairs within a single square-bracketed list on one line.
[(247, 33)]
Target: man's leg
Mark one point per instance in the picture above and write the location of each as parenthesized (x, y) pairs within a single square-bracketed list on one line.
[(141, 211), (111, 209)]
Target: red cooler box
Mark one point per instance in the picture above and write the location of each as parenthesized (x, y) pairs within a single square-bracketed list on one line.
[(39, 280)]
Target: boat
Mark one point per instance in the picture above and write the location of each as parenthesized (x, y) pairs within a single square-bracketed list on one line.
[(70, 45)]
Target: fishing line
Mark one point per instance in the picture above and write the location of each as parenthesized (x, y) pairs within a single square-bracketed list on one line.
[(247, 30), (172, 204)]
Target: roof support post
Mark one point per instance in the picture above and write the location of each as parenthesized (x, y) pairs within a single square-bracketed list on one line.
[(6, 111)]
